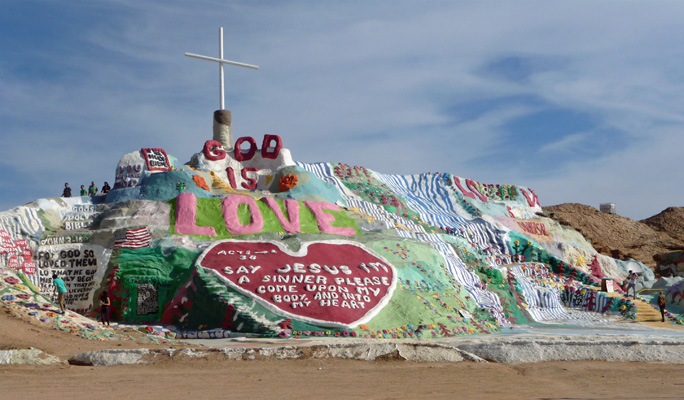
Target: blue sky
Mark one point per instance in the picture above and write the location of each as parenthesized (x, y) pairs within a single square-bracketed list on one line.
[(581, 101)]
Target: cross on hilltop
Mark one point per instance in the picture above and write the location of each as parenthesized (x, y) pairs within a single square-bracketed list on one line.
[(221, 61)]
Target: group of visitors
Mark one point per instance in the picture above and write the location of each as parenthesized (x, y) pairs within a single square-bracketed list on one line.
[(91, 191), (61, 290), (60, 287), (632, 278)]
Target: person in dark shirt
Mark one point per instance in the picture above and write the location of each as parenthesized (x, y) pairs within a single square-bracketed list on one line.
[(662, 301), (106, 188), (67, 190), (105, 302)]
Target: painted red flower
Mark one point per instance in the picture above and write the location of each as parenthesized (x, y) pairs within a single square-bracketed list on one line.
[(12, 280)]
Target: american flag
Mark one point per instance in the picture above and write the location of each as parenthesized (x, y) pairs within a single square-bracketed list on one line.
[(135, 239)]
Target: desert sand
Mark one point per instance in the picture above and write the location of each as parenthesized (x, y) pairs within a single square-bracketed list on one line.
[(308, 379), (214, 377)]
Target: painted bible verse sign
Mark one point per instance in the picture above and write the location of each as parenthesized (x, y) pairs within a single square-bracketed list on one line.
[(332, 283), (81, 266)]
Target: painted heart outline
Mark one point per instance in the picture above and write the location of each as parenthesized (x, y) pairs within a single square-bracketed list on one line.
[(335, 283)]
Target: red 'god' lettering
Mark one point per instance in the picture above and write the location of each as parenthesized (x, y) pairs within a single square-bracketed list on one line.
[(213, 150)]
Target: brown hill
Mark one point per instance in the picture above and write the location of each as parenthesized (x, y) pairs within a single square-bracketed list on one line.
[(669, 221), (621, 237)]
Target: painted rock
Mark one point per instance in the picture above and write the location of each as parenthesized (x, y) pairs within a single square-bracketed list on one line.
[(331, 283)]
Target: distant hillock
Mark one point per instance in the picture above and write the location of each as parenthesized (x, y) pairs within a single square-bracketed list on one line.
[(621, 237), (669, 221)]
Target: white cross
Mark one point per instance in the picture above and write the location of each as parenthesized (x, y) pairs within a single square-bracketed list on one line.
[(221, 61)]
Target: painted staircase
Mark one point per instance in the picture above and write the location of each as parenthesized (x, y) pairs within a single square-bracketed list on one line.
[(645, 311)]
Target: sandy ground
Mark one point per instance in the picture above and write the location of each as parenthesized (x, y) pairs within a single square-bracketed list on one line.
[(308, 379), (18, 333), (304, 379)]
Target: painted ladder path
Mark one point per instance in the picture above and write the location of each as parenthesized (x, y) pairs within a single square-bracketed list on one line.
[(646, 312)]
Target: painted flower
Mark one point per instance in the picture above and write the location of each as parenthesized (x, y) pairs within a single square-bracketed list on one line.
[(287, 182), (12, 280)]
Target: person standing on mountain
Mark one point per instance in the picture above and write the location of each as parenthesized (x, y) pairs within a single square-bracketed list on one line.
[(67, 190), (92, 189), (631, 282), (61, 289), (661, 303), (105, 302)]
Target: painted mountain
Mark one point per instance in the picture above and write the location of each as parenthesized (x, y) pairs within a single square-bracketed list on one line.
[(242, 238)]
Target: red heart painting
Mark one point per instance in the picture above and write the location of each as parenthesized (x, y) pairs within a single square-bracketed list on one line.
[(333, 283)]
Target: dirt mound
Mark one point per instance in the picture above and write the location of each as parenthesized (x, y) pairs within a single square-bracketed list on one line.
[(669, 221), (621, 237)]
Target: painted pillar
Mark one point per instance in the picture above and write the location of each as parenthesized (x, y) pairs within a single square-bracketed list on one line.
[(222, 128)]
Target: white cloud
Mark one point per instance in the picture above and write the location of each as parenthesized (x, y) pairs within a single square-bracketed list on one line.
[(566, 143), (374, 84)]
